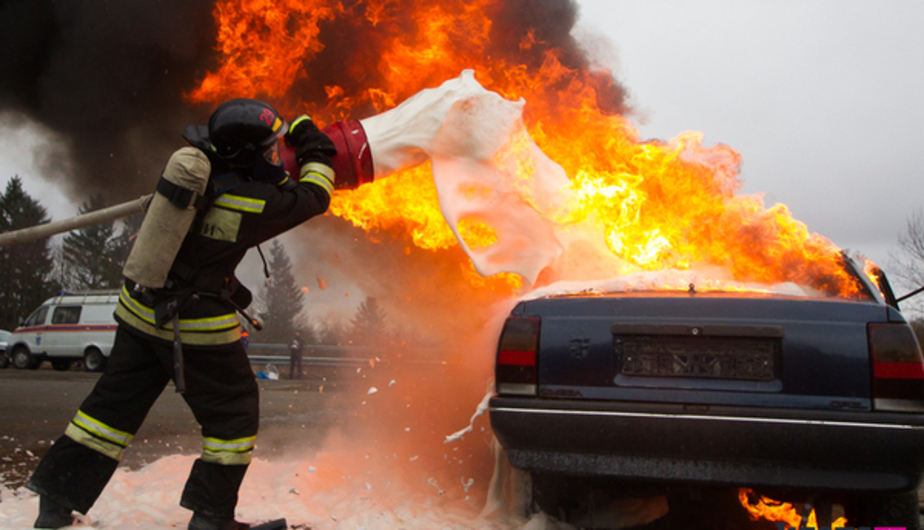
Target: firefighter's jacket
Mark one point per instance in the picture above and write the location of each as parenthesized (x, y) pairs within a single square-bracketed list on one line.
[(202, 282)]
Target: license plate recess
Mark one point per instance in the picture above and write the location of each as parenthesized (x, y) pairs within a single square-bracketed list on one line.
[(731, 352)]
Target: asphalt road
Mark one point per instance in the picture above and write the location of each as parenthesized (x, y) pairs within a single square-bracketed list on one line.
[(36, 406)]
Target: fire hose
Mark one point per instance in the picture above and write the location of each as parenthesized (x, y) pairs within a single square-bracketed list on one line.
[(105, 215)]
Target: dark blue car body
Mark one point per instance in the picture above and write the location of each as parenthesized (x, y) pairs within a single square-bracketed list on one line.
[(748, 390)]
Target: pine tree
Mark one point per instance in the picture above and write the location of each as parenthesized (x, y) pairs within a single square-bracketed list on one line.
[(282, 300), (369, 323), (332, 331), (25, 282), (91, 255)]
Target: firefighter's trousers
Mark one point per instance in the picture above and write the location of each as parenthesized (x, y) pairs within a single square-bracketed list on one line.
[(220, 390)]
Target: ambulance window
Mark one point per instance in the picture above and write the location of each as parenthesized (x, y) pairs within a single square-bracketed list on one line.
[(66, 315), (37, 318)]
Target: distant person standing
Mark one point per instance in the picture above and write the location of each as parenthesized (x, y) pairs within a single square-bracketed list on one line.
[(295, 356)]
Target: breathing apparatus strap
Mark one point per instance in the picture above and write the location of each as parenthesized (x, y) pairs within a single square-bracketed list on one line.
[(181, 197)]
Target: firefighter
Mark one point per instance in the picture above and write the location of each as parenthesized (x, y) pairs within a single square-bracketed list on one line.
[(249, 198)]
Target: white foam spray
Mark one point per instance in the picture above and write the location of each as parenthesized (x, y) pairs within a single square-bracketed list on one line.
[(486, 167)]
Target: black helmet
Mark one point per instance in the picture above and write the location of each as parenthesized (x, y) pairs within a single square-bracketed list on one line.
[(243, 130)]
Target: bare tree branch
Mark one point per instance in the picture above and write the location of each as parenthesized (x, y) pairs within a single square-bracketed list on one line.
[(908, 261)]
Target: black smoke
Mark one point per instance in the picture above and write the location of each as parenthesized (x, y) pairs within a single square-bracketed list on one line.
[(551, 22), (109, 75)]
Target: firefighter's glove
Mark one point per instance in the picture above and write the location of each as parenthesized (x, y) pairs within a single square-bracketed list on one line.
[(311, 145)]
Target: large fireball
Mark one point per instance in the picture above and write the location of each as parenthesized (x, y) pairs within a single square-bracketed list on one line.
[(658, 205)]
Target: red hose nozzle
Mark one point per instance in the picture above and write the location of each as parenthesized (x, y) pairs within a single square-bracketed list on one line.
[(353, 162)]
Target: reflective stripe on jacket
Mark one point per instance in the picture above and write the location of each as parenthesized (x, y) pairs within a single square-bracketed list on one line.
[(219, 329)]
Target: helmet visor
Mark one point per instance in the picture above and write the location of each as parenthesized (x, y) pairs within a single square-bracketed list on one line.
[(273, 145)]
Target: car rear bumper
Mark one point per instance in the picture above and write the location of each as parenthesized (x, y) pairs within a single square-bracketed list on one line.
[(849, 451)]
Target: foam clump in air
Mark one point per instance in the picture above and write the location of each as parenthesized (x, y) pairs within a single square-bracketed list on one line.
[(487, 169)]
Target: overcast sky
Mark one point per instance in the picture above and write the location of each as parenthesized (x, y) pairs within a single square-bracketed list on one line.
[(823, 99)]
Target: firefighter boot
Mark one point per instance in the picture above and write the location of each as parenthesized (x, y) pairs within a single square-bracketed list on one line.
[(52, 514), (204, 522)]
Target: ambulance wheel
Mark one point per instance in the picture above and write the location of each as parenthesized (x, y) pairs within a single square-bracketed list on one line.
[(22, 359), (4, 360), (61, 365), (93, 360)]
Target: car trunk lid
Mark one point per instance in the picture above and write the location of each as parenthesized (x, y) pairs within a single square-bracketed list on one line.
[(702, 349)]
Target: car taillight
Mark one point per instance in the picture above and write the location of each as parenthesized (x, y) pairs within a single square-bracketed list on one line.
[(898, 368), (516, 370)]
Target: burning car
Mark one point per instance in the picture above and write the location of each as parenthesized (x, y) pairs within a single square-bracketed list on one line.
[(816, 399)]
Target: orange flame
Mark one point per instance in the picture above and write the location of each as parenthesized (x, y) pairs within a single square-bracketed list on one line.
[(262, 44), (873, 272), (661, 204), (774, 511)]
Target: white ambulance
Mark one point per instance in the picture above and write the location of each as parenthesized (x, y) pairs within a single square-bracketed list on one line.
[(67, 328)]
